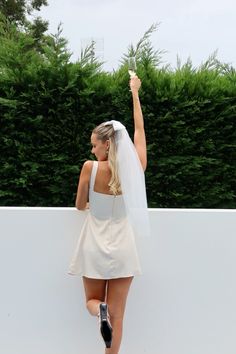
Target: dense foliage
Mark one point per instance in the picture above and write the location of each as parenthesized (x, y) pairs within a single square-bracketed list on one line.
[(48, 107), (16, 11)]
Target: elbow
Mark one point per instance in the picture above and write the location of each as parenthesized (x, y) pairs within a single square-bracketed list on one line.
[(80, 209), (80, 205), (144, 165)]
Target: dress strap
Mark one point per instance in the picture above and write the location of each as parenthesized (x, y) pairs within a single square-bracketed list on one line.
[(93, 175)]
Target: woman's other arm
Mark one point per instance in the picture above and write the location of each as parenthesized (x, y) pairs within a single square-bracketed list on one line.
[(139, 132), (83, 186)]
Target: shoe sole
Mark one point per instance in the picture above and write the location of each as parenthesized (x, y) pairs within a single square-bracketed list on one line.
[(106, 329)]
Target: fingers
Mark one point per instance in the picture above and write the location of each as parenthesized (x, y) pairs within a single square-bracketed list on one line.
[(135, 83)]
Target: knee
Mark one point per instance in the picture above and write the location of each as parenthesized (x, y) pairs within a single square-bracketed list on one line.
[(92, 306), (88, 302), (116, 314), (117, 323)]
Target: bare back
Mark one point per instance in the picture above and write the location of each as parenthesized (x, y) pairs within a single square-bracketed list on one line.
[(102, 178)]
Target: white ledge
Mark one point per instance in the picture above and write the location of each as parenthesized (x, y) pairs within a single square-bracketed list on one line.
[(184, 303)]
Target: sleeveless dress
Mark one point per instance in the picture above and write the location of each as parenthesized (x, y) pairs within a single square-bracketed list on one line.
[(106, 248)]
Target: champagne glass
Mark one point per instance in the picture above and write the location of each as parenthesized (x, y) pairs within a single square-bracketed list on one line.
[(132, 66)]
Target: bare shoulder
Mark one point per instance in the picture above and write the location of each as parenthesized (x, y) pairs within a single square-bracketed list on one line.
[(86, 169), (88, 165)]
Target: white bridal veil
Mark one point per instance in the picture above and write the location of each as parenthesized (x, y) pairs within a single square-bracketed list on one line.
[(132, 180)]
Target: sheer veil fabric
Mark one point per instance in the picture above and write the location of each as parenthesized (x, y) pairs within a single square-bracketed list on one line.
[(132, 180)]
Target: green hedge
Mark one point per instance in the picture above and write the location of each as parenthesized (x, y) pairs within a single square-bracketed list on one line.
[(48, 107)]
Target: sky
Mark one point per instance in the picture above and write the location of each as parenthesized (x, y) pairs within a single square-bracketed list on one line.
[(187, 28)]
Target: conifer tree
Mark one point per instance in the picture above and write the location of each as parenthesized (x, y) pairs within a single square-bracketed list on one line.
[(17, 12)]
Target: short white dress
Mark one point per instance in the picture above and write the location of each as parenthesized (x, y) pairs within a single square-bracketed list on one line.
[(106, 248)]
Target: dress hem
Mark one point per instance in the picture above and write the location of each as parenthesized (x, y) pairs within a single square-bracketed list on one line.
[(105, 278)]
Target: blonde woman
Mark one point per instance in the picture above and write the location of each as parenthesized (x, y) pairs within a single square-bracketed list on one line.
[(106, 255)]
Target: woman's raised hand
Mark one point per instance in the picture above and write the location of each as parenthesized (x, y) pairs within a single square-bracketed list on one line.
[(135, 84)]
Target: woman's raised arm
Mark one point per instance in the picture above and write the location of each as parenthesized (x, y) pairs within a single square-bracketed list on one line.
[(139, 132)]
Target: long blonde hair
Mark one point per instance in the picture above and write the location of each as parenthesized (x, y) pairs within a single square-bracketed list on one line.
[(106, 132)]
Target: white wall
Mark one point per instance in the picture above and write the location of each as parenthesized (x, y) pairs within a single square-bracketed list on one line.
[(185, 303)]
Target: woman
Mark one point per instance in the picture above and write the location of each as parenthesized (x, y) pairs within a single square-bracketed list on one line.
[(106, 254)]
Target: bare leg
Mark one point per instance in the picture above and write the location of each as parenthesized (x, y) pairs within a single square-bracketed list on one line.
[(114, 292), (95, 293), (117, 292)]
